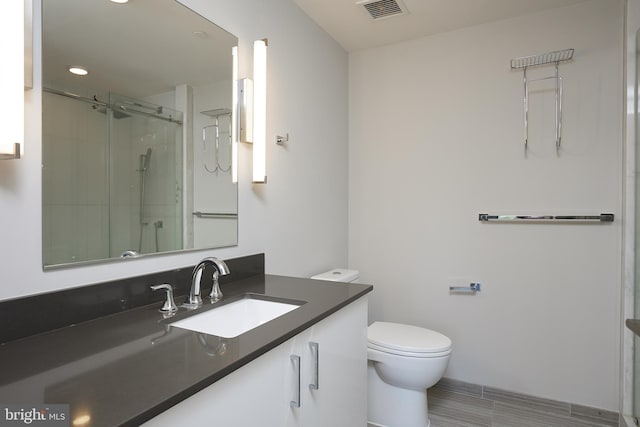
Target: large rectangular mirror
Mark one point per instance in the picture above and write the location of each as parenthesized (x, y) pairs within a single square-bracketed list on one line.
[(137, 152)]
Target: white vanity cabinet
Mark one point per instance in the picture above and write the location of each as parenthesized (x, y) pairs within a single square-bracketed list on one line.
[(265, 391), (341, 396)]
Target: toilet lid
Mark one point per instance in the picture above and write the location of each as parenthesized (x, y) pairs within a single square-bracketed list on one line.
[(407, 338)]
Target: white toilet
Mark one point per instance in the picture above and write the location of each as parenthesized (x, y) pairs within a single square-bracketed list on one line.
[(403, 361)]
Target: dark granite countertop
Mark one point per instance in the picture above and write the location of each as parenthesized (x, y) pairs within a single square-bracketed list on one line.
[(125, 368), (634, 325)]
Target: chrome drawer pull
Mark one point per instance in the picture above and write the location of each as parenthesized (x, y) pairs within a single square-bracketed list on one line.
[(295, 360), (315, 353)]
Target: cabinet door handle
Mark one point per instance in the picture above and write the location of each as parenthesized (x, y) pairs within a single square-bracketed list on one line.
[(295, 360), (315, 354)]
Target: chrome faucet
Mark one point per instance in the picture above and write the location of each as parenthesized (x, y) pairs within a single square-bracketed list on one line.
[(220, 269)]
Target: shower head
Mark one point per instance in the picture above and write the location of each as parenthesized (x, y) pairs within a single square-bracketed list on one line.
[(117, 114), (147, 158), (137, 106)]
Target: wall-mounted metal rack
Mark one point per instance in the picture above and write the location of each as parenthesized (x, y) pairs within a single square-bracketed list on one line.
[(222, 136), (603, 217), (526, 62)]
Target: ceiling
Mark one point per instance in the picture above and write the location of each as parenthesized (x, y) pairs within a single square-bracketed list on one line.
[(352, 27), (138, 49)]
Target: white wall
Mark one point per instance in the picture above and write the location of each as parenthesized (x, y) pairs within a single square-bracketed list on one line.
[(435, 139), (299, 219)]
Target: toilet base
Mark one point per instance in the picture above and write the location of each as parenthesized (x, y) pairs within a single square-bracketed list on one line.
[(390, 406)]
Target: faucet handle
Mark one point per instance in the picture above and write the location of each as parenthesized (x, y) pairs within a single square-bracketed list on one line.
[(216, 293), (169, 304)]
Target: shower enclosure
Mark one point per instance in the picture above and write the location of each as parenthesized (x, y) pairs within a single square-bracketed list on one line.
[(633, 407), (630, 373), (121, 190)]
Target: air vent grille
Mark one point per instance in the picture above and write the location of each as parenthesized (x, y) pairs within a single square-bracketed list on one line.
[(379, 9)]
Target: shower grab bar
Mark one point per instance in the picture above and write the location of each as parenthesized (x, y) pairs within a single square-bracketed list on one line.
[(603, 217), (215, 215)]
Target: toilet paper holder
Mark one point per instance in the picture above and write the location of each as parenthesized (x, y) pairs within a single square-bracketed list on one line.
[(472, 288)]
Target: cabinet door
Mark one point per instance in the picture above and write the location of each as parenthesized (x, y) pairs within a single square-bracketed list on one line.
[(265, 391), (296, 380), (251, 396), (340, 399)]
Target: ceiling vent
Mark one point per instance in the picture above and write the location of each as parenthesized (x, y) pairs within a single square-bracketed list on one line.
[(380, 9)]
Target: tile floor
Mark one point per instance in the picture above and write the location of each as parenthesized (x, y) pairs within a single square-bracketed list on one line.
[(456, 404)]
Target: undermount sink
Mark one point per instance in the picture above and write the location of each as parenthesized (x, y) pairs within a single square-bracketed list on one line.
[(237, 317)]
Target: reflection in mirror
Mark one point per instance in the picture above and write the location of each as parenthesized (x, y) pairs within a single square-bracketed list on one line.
[(136, 152)]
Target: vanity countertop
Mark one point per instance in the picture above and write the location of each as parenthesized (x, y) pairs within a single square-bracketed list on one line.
[(634, 325), (126, 368)]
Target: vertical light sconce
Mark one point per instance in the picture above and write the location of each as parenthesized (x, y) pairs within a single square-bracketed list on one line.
[(259, 110), (251, 108), (234, 115), (12, 19)]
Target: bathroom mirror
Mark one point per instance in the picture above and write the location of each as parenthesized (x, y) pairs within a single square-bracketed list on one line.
[(136, 153)]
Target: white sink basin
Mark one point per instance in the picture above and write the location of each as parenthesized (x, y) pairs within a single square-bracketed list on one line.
[(235, 318)]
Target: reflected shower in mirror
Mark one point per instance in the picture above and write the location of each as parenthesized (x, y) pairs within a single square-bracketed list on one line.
[(136, 152)]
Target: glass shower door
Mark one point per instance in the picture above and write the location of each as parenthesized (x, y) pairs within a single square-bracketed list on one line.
[(636, 340), (145, 177), (75, 195)]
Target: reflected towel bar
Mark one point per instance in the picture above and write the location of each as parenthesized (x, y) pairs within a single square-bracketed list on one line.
[(215, 215), (604, 217)]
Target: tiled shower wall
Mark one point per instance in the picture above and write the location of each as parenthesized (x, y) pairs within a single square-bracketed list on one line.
[(76, 203)]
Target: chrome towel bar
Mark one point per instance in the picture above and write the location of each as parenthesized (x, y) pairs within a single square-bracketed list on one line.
[(215, 215), (603, 217)]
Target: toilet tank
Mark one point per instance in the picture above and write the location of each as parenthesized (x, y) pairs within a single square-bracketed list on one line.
[(339, 275)]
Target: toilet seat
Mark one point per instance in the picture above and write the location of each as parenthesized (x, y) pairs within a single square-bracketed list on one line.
[(407, 340)]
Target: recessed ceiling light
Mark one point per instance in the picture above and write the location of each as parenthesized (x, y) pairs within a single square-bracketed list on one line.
[(77, 70), (201, 34), (120, 1)]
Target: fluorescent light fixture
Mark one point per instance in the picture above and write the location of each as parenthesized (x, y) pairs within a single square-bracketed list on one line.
[(78, 70), (12, 82), (234, 115), (259, 111)]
